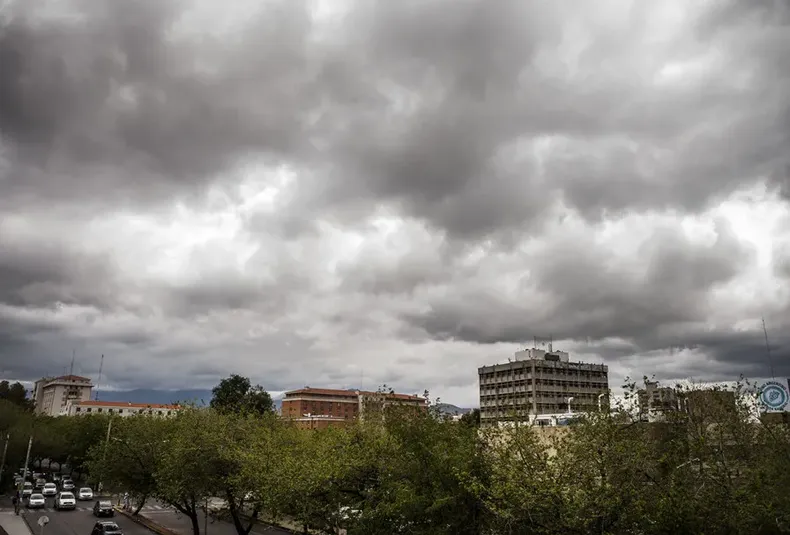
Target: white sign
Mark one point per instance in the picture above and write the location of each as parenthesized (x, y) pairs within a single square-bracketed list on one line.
[(43, 521), (774, 396)]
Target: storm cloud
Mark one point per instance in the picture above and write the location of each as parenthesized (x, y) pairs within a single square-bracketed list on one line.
[(368, 192)]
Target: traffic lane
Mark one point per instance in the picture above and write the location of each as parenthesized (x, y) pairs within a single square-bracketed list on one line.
[(181, 524), (77, 523)]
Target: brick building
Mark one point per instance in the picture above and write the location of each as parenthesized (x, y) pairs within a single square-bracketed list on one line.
[(317, 408)]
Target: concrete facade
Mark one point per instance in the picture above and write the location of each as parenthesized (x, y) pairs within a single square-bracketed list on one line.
[(656, 401), (52, 394), (118, 408), (538, 383)]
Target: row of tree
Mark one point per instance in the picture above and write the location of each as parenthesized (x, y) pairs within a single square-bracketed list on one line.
[(717, 470)]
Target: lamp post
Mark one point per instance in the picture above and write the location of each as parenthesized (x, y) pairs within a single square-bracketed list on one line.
[(5, 450), (600, 397), (569, 405), (27, 460)]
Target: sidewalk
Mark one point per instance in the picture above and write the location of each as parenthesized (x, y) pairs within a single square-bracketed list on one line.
[(13, 525)]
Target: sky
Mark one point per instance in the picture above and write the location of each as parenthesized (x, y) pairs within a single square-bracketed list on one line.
[(358, 193)]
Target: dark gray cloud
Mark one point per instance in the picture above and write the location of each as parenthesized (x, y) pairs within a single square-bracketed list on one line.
[(440, 179), (48, 273)]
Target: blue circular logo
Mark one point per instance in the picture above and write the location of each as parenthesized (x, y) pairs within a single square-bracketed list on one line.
[(774, 396)]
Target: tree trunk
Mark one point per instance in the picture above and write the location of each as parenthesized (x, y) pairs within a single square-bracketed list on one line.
[(193, 518), (140, 505)]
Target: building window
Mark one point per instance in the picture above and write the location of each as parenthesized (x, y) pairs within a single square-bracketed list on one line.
[(99, 410), (89, 409), (78, 409)]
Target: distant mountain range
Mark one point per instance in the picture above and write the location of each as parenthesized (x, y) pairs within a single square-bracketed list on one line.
[(162, 397), (203, 397), (158, 397), (451, 410)]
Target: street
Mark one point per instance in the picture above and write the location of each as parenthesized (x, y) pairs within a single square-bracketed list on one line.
[(77, 522), (181, 524)]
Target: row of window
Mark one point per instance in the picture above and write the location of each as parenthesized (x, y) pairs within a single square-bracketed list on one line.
[(160, 412)]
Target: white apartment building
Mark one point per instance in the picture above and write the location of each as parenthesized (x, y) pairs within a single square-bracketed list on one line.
[(118, 408), (52, 394)]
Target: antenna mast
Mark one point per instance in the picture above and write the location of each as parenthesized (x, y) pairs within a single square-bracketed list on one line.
[(98, 382), (73, 355), (768, 351)]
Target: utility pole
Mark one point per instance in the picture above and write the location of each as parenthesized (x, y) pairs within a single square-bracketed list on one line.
[(5, 450), (104, 457), (27, 460), (768, 351), (73, 356), (98, 382)]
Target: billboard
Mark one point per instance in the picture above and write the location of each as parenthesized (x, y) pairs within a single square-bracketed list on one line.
[(775, 396)]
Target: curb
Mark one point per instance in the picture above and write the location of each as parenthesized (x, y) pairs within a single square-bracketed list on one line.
[(27, 521), (146, 523)]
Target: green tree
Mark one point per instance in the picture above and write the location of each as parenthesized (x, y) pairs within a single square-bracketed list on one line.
[(471, 418), (235, 394), (187, 465), (128, 461), (16, 394)]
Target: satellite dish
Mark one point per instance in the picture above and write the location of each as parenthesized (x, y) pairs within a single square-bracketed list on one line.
[(43, 520)]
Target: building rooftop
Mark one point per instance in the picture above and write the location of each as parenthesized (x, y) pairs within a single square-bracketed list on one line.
[(322, 391), (124, 404), (72, 378), (351, 393)]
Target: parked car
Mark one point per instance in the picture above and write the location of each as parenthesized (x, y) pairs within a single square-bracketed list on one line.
[(36, 501), (65, 500), (50, 489), (85, 493), (67, 484), (106, 527), (103, 508)]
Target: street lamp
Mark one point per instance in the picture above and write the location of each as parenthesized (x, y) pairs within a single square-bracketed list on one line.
[(569, 404), (600, 397)]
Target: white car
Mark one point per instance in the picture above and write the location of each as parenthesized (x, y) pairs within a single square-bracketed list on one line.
[(85, 493), (36, 501), (65, 500), (67, 484), (27, 489), (50, 489)]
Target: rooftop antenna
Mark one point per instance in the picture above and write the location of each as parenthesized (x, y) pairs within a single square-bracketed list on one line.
[(768, 351), (98, 381), (551, 340), (73, 355)]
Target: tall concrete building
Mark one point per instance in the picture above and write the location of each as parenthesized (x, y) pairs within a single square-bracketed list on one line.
[(540, 387), (52, 394), (656, 401)]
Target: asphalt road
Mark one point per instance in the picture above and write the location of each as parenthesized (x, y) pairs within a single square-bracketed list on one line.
[(77, 522), (182, 525)]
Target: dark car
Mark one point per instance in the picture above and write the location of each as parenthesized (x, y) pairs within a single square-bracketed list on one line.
[(106, 527), (103, 508)]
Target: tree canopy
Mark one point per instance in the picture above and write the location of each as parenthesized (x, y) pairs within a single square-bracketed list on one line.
[(235, 394)]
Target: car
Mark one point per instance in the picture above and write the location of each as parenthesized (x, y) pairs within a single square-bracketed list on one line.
[(36, 501), (27, 489), (67, 484), (40, 482), (50, 489), (56, 477), (65, 500), (106, 527), (103, 508), (85, 493)]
